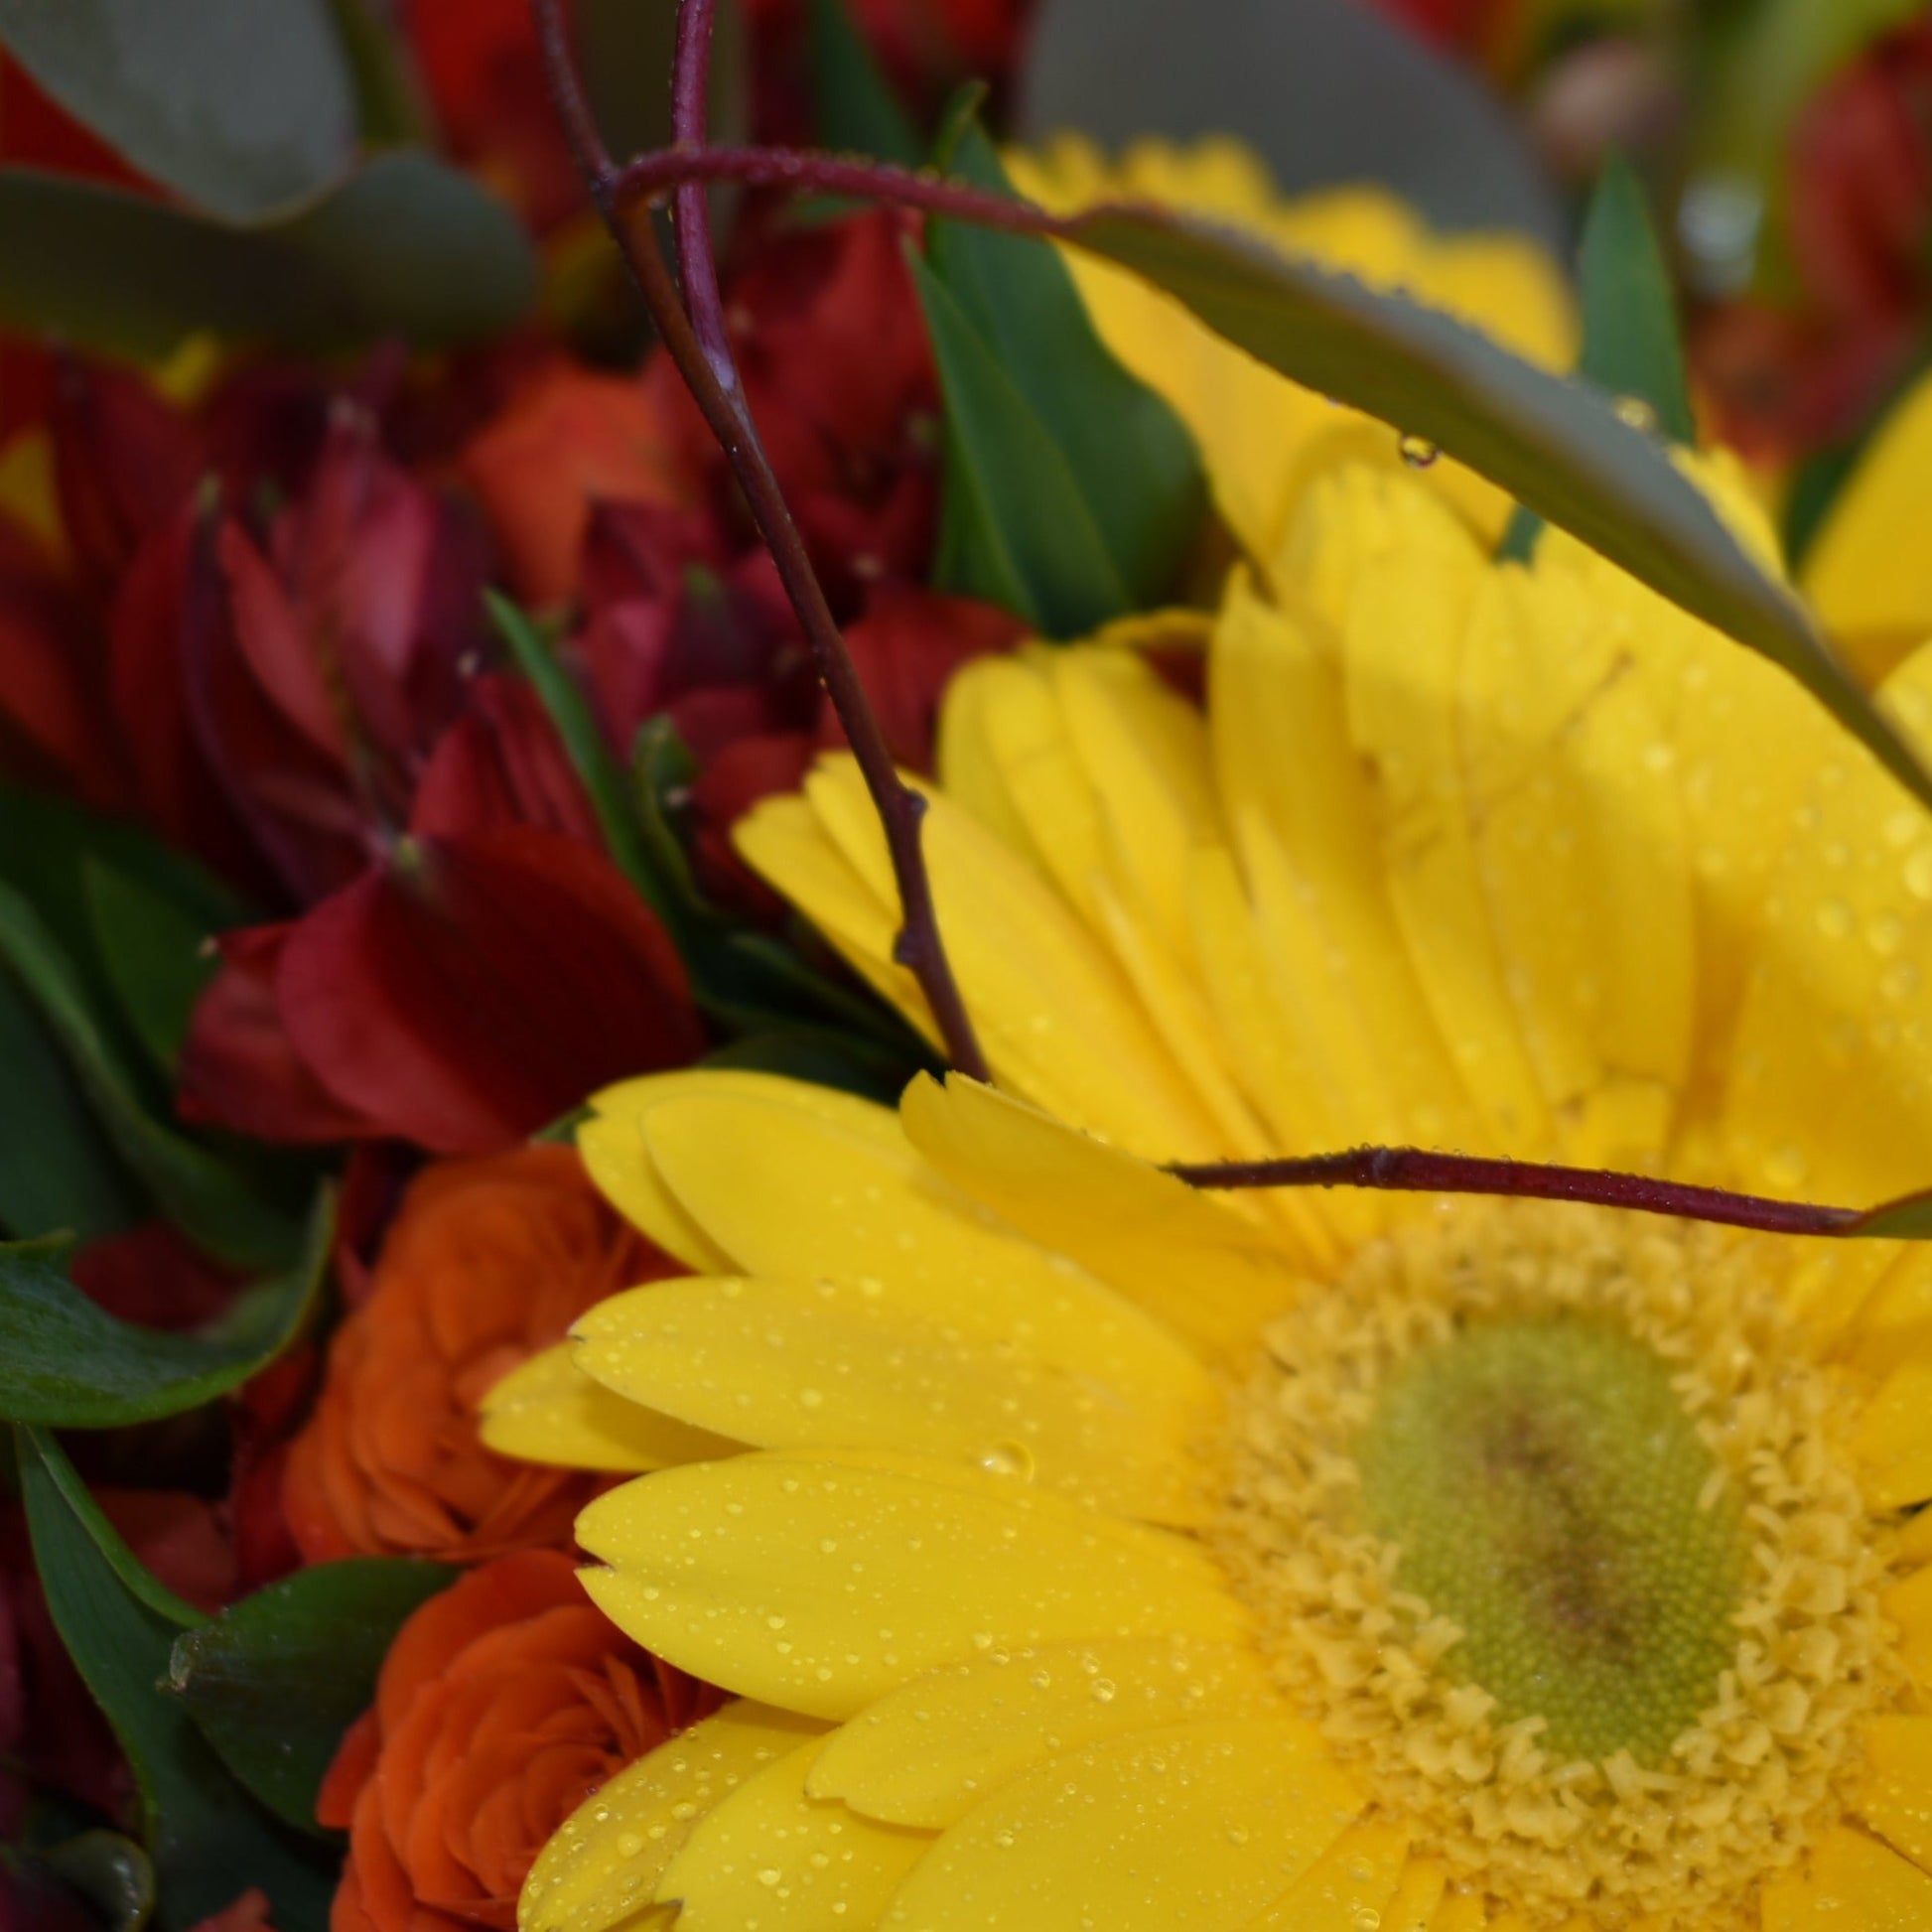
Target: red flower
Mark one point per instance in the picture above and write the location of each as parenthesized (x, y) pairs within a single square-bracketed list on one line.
[(460, 996)]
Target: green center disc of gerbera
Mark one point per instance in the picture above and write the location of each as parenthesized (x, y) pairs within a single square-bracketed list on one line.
[(1547, 1492)]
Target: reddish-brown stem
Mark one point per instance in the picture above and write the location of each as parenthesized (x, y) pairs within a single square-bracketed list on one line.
[(696, 267), (806, 170), (919, 947), (1411, 1169)]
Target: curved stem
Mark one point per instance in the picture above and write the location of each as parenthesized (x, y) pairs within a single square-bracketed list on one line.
[(1410, 1169), (696, 267), (920, 949)]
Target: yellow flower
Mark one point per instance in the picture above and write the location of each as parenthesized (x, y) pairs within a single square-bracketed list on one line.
[(1868, 572), (1263, 437), (1088, 1551)]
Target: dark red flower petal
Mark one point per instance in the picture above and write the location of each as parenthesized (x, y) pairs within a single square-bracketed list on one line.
[(474, 988)]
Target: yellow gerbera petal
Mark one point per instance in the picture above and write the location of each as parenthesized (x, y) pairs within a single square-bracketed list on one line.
[(792, 1366), (929, 1751), (832, 1204), (1869, 574), (1175, 1251), (1459, 1911), (601, 1867), (769, 1858), (1849, 919), (1849, 1879), (550, 1411), (822, 1584), (1257, 432), (1417, 1897), (1897, 1803), (1196, 1827), (1305, 823), (1909, 1605), (1348, 1888), (1894, 1437)]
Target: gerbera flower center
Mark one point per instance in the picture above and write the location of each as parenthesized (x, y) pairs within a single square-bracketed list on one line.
[(1543, 1518), (1548, 1493)]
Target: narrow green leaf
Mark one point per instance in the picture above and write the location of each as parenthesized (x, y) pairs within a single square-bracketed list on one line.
[(583, 741), (853, 105), (199, 1193), (406, 246), (1017, 530), (1556, 445), (1631, 343), (207, 1839), (1132, 460), (247, 110), (275, 1680), (57, 1168), (823, 1060), (66, 1363), (1632, 349), (155, 954)]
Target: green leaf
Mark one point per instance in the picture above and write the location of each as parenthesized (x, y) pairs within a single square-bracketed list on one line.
[(198, 1193), (584, 742), (1632, 346), (155, 953), (1037, 405), (57, 1168), (1016, 530), (111, 1873), (275, 1680), (823, 1060), (746, 980), (406, 246), (1555, 443), (206, 1837), (853, 105), (66, 1363), (247, 110)]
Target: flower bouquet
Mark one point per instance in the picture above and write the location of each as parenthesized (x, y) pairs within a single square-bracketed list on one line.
[(964, 965)]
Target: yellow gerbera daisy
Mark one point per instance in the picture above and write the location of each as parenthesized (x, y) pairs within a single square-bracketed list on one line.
[(1262, 437), (1091, 1552)]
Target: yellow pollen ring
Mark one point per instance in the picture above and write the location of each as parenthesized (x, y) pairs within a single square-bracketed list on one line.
[(1681, 1839)]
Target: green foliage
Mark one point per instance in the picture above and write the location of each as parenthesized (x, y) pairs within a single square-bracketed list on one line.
[(275, 1680), (1556, 445), (66, 1363), (208, 1201), (405, 246), (245, 109), (856, 109), (1632, 349), (1072, 492), (207, 1839)]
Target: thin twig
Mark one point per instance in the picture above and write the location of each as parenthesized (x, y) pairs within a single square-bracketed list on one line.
[(807, 171), (919, 947), (1411, 1169), (697, 266)]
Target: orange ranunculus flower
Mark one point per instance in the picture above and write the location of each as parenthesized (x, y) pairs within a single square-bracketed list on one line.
[(502, 1705), (487, 1261), (570, 440)]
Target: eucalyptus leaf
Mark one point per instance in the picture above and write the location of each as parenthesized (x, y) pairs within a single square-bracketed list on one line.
[(1328, 92), (406, 246), (1554, 443), (275, 1680), (207, 1839), (200, 1195), (1131, 461), (67, 1363), (246, 110)]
